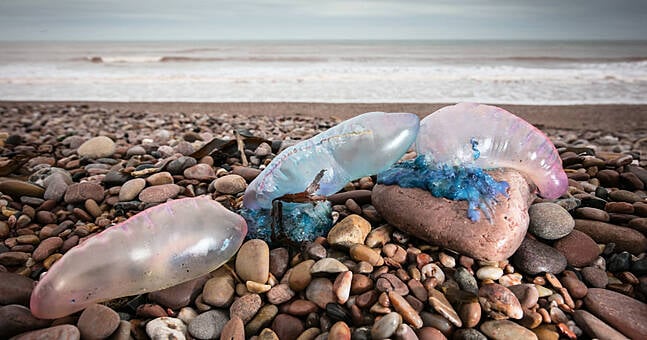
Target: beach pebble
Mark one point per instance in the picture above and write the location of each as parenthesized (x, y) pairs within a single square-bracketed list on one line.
[(159, 178), (342, 285), (279, 260), (177, 166), (625, 196), (625, 314), (549, 221), (249, 174), (234, 329), (208, 325), (595, 327), (16, 319), (219, 290), (534, 257), (402, 306), (79, 192), (595, 277), (261, 320), (180, 295), (287, 327), (579, 249), (526, 293), (489, 273), (498, 301), (63, 332), (442, 306), (301, 276), (575, 287), (625, 239), (327, 265), (136, 150), (46, 248), (246, 307), (445, 223), (320, 291), (183, 147), (468, 334), (592, 214), (386, 326), (166, 328), (97, 322), (353, 229), (159, 193), (466, 280), (97, 147), (253, 261), (15, 289), (57, 184), (230, 184), (506, 329), (200, 172)]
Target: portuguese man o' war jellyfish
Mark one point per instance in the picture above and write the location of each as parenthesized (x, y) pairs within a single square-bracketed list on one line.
[(158, 248), (457, 143), (321, 166)]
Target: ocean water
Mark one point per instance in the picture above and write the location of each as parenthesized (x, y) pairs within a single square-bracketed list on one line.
[(513, 72)]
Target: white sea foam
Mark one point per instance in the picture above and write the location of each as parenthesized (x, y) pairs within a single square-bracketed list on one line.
[(491, 72)]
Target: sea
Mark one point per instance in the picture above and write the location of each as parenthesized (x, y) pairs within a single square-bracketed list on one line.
[(344, 71)]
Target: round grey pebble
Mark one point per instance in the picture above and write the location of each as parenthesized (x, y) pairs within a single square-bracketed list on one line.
[(208, 325), (550, 221)]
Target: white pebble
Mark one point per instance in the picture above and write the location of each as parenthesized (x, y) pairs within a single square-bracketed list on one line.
[(166, 328), (489, 273)]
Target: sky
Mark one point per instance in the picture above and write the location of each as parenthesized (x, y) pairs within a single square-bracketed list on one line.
[(322, 19)]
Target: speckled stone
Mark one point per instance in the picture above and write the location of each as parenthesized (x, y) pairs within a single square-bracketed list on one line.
[(98, 322), (579, 249), (159, 193), (208, 325), (625, 314), (549, 221), (626, 239), (505, 329), (534, 257), (97, 147), (60, 332)]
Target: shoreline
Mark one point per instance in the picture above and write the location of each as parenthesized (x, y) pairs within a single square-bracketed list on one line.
[(601, 117)]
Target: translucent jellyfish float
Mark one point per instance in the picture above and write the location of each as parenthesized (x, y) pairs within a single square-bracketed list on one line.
[(457, 143), (158, 248), (321, 166)]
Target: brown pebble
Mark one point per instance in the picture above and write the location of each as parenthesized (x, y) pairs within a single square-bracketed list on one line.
[(97, 322), (404, 308), (46, 248), (287, 327), (234, 329), (339, 330)]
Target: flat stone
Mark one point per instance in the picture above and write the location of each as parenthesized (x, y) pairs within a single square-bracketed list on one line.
[(62, 332), (468, 334), (79, 192), (320, 291), (261, 320), (219, 290), (549, 221), (13, 258), (16, 319), (253, 261), (280, 293), (386, 326), (234, 329), (595, 327), (230, 184), (279, 261), (506, 329), (625, 314), (625, 239), (287, 327), (625, 196), (46, 248), (526, 293), (300, 276), (575, 287), (97, 322), (534, 257), (351, 230), (246, 307), (97, 147), (180, 295), (208, 325), (131, 189), (200, 172), (249, 174), (442, 306), (498, 301), (579, 249), (589, 213), (443, 222), (160, 178), (159, 193), (166, 328), (15, 289), (328, 265), (595, 277)]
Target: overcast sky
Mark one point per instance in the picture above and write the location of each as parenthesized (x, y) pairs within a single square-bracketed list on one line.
[(321, 19)]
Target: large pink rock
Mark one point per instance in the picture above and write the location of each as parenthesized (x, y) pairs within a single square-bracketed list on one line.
[(444, 222)]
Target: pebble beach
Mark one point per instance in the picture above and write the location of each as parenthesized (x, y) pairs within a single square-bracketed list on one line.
[(68, 171)]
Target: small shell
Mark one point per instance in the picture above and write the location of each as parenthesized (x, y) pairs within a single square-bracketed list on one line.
[(158, 248), (361, 146), (452, 134)]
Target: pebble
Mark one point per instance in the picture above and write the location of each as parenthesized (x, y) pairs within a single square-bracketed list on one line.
[(595, 327), (466, 280), (97, 322), (246, 307), (131, 189), (497, 301), (625, 239), (328, 266), (360, 252), (208, 325), (595, 277), (534, 257), (219, 290), (159, 178), (353, 229), (62, 332), (15, 289), (79, 192), (339, 330), (549, 221), (342, 285), (234, 329), (320, 291), (405, 310), (440, 304), (177, 166), (579, 249), (625, 196), (592, 214), (386, 326), (430, 333), (470, 314), (489, 273), (287, 327), (16, 319), (625, 314), (97, 147), (575, 287), (301, 275), (166, 328), (230, 184), (249, 174), (253, 261), (280, 293), (506, 329), (469, 334), (159, 193), (261, 320), (46, 248), (526, 293), (180, 295), (279, 261)]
